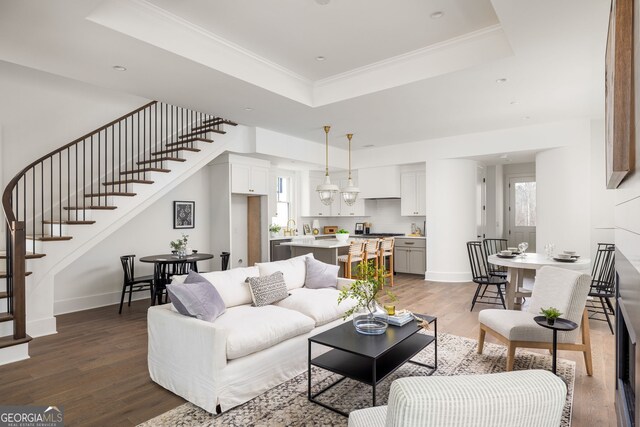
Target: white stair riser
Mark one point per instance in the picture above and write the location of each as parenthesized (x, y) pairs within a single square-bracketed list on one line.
[(6, 328), (63, 229)]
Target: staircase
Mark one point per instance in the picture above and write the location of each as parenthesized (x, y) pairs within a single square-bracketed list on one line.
[(65, 202)]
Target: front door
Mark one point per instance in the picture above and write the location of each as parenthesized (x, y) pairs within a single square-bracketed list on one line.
[(522, 211)]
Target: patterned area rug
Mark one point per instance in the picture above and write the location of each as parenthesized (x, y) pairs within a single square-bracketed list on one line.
[(287, 404)]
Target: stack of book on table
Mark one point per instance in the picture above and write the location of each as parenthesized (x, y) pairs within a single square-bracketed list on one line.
[(400, 319)]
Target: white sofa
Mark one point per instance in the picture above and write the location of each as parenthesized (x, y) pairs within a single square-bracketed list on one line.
[(247, 350), (532, 398)]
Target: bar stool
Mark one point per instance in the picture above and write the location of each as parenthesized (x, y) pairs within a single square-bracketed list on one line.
[(386, 251), (355, 254), (372, 252)]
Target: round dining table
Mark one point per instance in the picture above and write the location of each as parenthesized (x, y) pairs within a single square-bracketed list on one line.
[(167, 265), (532, 261)]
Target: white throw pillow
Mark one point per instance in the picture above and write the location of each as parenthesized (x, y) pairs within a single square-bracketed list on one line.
[(230, 284), (293, 269)]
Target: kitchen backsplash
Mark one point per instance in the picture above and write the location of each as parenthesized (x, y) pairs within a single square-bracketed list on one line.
[(383, 214)]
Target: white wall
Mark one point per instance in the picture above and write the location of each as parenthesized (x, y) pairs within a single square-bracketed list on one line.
[(563, 195), (602, 200), (239, 249), (96, 278), (451, 218)]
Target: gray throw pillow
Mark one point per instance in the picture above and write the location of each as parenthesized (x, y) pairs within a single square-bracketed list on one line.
[(194, 277), (321, 275), (266, 290), (200, 300)]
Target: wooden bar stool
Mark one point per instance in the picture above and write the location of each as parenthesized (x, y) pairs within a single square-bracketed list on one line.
[(386, 251), (372, 252), (355, 254)]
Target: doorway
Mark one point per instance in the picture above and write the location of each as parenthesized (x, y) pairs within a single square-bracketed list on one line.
[(522, 211)]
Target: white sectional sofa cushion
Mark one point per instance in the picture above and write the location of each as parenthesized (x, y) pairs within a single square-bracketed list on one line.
[(230, 284), (318, 304), (251, 329), (293, 269)]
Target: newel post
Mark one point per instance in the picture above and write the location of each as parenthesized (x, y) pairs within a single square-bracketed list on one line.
[(18, 243)]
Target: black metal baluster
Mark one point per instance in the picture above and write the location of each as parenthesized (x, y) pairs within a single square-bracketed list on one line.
[(84, 178), (60, 190), (68, 182)]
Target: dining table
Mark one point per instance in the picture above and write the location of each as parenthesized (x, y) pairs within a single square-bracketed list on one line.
[(530, 261), (167, 265)]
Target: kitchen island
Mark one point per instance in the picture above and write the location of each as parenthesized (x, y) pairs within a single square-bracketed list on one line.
[(323, 250)]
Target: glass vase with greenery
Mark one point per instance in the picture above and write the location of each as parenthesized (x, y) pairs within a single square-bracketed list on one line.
[(179, 246)]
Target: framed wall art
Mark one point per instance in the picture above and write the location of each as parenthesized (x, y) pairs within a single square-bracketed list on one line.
[(184, 214), (619, 96)]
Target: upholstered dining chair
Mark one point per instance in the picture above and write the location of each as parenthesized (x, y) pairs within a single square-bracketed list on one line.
[(563, 289), (131, 283), (355, 254)]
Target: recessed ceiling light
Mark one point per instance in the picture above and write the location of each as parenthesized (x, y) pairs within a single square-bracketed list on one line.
[(514, 103), (502, 80), (323, 2), (526, 117), (320, 58), (437, 15), (119, 68), (368, 146), (248, 109)]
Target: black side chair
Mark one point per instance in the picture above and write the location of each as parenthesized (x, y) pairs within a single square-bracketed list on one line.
[(491, 247), (225, 260), (483, 278), (603, 284), (132, 283)]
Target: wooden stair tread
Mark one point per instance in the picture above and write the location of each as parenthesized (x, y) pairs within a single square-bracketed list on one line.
[(88, 207), (187, 141), (6, 317), (10, 341), (69, 222), (218, 121), (202, 131), (4, 295), (110, 193), (145, 170), (48, 238), (30, 255), (3, 274), (128, 181), (162, 159), (159, 153)]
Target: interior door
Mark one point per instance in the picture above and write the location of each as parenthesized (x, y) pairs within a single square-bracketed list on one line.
[(522, 211)]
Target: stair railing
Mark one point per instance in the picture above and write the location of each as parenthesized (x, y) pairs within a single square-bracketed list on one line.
[(59, 188)]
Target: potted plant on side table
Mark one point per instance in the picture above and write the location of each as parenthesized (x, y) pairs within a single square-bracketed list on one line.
[(369, 317), (551, 314)]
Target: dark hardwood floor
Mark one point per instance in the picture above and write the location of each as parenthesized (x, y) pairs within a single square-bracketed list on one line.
[(96, 366)]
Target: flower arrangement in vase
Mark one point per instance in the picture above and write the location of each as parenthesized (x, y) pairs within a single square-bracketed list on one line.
[(179, 246)]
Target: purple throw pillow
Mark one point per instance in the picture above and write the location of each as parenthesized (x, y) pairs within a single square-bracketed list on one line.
[(200, 300), (320, 275)]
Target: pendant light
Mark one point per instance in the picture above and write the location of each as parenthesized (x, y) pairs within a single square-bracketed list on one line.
[(350, 192), (327, 191)]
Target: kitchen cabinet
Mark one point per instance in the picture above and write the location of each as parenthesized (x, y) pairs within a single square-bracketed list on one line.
[(413, 197), (249, 179), (410, 256)]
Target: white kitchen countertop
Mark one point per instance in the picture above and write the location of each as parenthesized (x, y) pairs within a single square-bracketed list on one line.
[(412, 237), (299, 236), (321, 244)]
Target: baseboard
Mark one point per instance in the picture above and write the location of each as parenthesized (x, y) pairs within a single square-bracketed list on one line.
[(450, 277), (72, 305), (41, 327), (14, 353)]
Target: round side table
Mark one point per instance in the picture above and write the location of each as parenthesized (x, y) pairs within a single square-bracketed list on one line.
[(560, 324)]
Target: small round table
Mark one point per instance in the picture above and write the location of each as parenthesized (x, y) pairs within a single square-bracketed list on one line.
[(560, 324), (160, 269)]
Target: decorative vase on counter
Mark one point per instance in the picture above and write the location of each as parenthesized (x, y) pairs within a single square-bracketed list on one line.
[(342, 237), (371, 320), (182, 252)]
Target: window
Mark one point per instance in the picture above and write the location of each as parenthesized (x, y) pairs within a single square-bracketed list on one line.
[(525, 214), (283, 201)]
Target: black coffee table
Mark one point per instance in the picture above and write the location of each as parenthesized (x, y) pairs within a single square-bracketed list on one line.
[(370, 358), (559, 325)]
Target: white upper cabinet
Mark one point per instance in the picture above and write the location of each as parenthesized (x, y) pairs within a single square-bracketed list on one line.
[(379, 183), (249, 179), (413, 197)]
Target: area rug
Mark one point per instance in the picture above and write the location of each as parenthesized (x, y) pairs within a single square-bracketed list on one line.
[(287, 404)]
